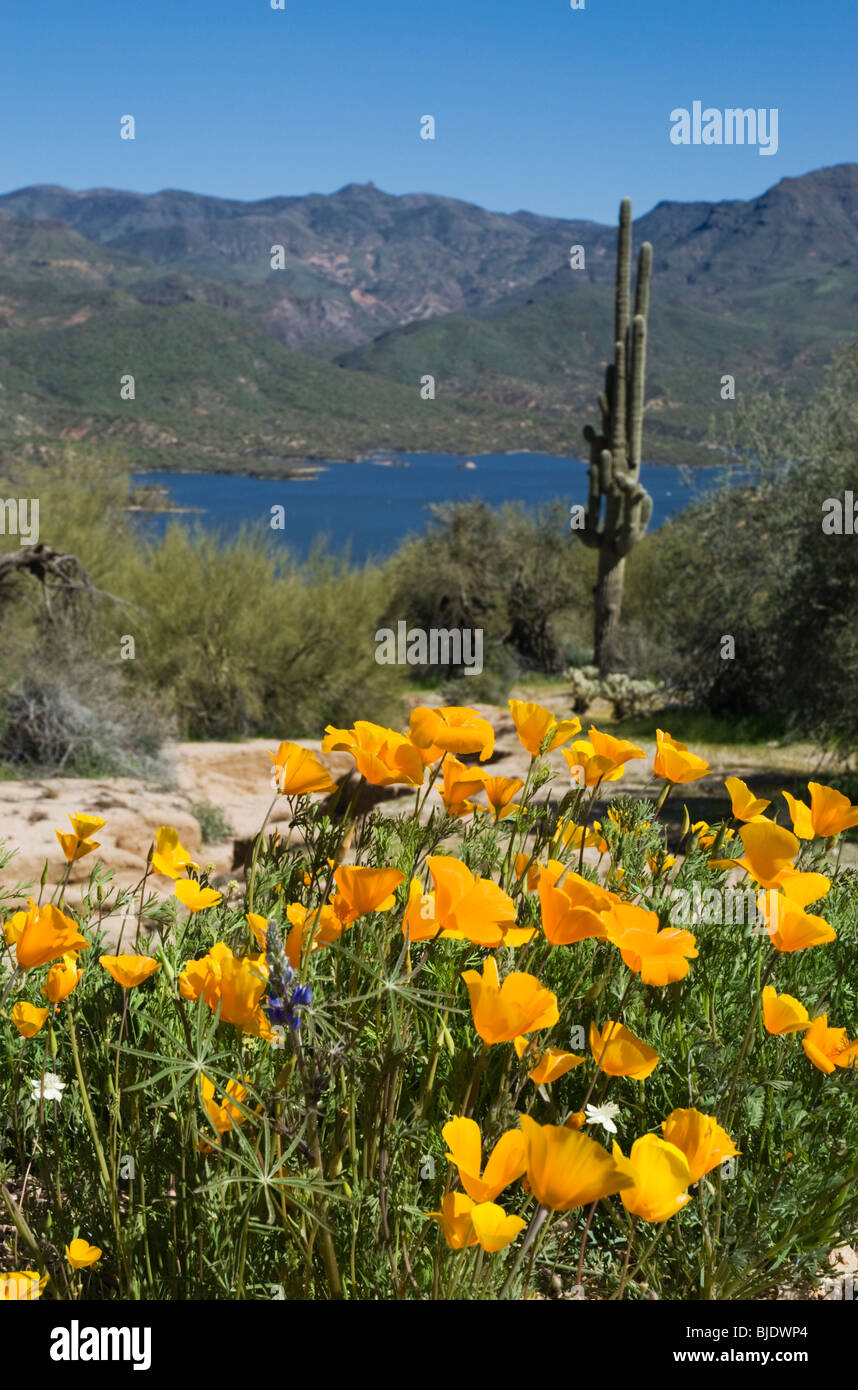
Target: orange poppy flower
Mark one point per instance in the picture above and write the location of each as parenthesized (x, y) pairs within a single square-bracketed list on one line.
[(460, 783), (225, 1115), (503, 1012), (63, 977), (129, 971), (47, 934), (455, 728), (702, 1140), (384, 757), (475, 908), (828, 1048), (571, 910), (552, 1065), (505, 1164), (828, 814), (789, 927), (568, 1169), (364, 890), (619, 1053), (674, 762), (499, 794), (659, 957), (537, 728), (75, 845), (297, 771), (320, 923)]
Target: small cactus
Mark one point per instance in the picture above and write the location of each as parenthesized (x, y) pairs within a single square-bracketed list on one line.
[(615, 452)]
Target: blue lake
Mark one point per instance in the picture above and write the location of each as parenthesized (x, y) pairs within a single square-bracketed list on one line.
[(368, 508)]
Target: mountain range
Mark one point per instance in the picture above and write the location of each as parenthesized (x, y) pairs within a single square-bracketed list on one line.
[(241, 367)]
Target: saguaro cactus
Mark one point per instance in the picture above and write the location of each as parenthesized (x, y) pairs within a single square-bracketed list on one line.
[(615, 453)]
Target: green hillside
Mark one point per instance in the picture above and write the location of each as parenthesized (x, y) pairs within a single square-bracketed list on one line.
[(238, 366)]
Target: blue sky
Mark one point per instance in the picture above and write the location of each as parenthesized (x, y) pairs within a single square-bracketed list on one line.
[(537, 105)]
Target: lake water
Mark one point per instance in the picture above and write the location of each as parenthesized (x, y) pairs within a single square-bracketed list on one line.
[(368, 508)]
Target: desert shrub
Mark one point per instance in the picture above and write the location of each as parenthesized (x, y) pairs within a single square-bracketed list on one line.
[(237, 639), (752, 562), (508, 571), (214, 826), (79, 721)]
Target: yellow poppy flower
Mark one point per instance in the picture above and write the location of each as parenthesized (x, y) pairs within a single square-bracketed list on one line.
[(659, 957), (619, 1053), (828, 814), (571, 910), (13, 927), (365, 890), (85, 826), (570, 836), (259, 926), (674, 762), (828, 1048), (566, 1168), (746, 807), (81, 1255), (783, 1013), (537, 728), (170, 859), (297, 771), (47, 934), (503, 1012), (552, 1065), (459, 783), (660, 1176), (225, 1115), (62, 978), (475, 908), (28, 1019), (493, 1228), (75, 845), (702, 1140), (129, 971), (499, 794), (455, 728), (455, 1221), (505, 1164), (194, 897), (381, 755)]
